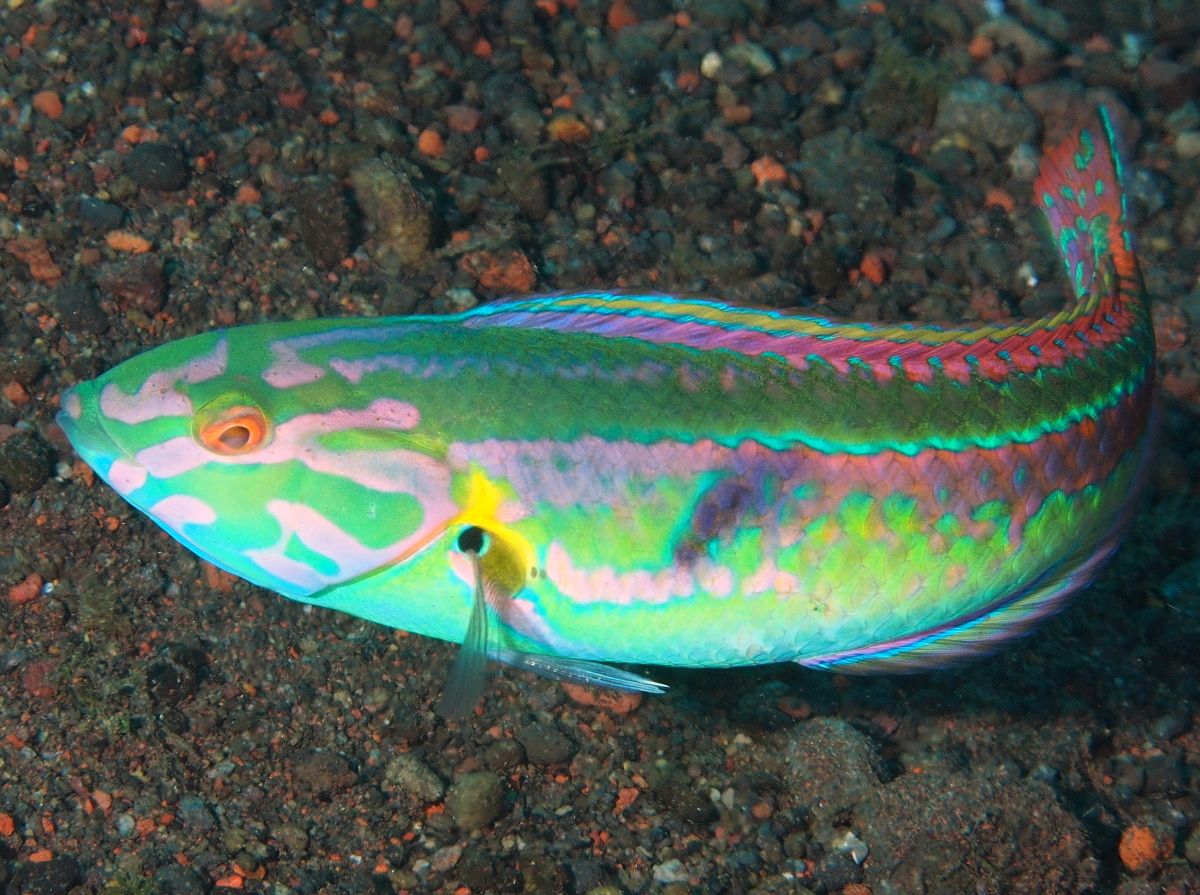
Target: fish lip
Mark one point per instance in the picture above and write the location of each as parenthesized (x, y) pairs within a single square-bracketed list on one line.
[(83, 424)]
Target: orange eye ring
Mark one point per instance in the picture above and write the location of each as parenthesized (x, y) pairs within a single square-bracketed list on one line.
[(239, 430)]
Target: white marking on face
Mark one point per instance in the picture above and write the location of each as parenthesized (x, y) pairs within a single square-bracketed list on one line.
[(179, 510), (396, 471), (157, 396), (323, 537), (72, 405), (126, 478), (288, 370)]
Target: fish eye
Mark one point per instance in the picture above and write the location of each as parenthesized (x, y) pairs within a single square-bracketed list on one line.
[(472, 539), (231, 428)]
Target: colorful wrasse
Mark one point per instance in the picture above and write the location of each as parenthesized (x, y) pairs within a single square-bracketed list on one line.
[(568, 480)]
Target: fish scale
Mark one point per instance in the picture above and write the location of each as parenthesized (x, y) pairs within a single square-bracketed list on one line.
[(601, 477)]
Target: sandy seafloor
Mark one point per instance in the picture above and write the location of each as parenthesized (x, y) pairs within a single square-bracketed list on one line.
[(166, 169)]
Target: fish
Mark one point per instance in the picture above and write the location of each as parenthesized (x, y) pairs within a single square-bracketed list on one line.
[(569, 483)]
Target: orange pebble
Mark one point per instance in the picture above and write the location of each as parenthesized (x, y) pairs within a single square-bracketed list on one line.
[(430, 142), (27, 591), (981, 47), (619, 702), (482, 154), (247, 194), (16, 393), (999, 198), (41, 856), (620, 15), (7, 827), (767, 169), (568, 130), (48, 103), (127, 242), (873, 268), (482, 48), (329, 118), (1142, 850)]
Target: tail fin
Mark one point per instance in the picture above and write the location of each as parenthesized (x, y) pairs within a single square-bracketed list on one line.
[(1080, 189)]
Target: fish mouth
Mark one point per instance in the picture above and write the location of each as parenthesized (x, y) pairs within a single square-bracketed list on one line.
[(81, 420)]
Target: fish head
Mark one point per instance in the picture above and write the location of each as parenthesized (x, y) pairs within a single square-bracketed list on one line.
[(264, 462)]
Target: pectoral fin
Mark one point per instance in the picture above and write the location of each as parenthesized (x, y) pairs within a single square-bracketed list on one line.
[(492, 571), (578, 671), (470, 674)]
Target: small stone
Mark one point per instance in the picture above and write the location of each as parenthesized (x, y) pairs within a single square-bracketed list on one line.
[(504, 754), (54, 877), (397, 211), (99, 216), (545, 744), (1008, 33), (323, 772), (1191, 848), (989, 113), (672, 871), (463, 119), (157, 166), (409, 775), (445, 859), (1187, 144), (753, 57), (849, 173), (171, 879), (293, 839), (194, 813), (322, 220), (138, 283), (724, 15), (476, 800), (1145, 846), (26, 462)]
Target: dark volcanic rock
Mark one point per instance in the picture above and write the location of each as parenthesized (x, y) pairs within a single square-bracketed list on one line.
[(157, 166), (26, 462)]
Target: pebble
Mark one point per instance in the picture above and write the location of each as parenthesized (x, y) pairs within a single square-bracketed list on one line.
[(99, 216), (398, 213), (138, 282), (1008, 33), (26, 462), (827, 755), (849, 173), (476, 800), (194, 813), (504, 754), (157, 166), (753, 57), (323, 773), (1144, 847), (1187, 144), (54, 877), (724, 15), (409, 775), (990, 113), (672, 871), (1191, 848), (171, 879), (293, 839), (545, 744), (322, 219)]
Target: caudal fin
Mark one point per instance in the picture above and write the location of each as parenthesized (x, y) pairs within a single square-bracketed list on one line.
[(1080, 188)]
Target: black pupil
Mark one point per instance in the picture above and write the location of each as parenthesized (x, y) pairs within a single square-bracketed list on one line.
[(470, 540), (235, 437)]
